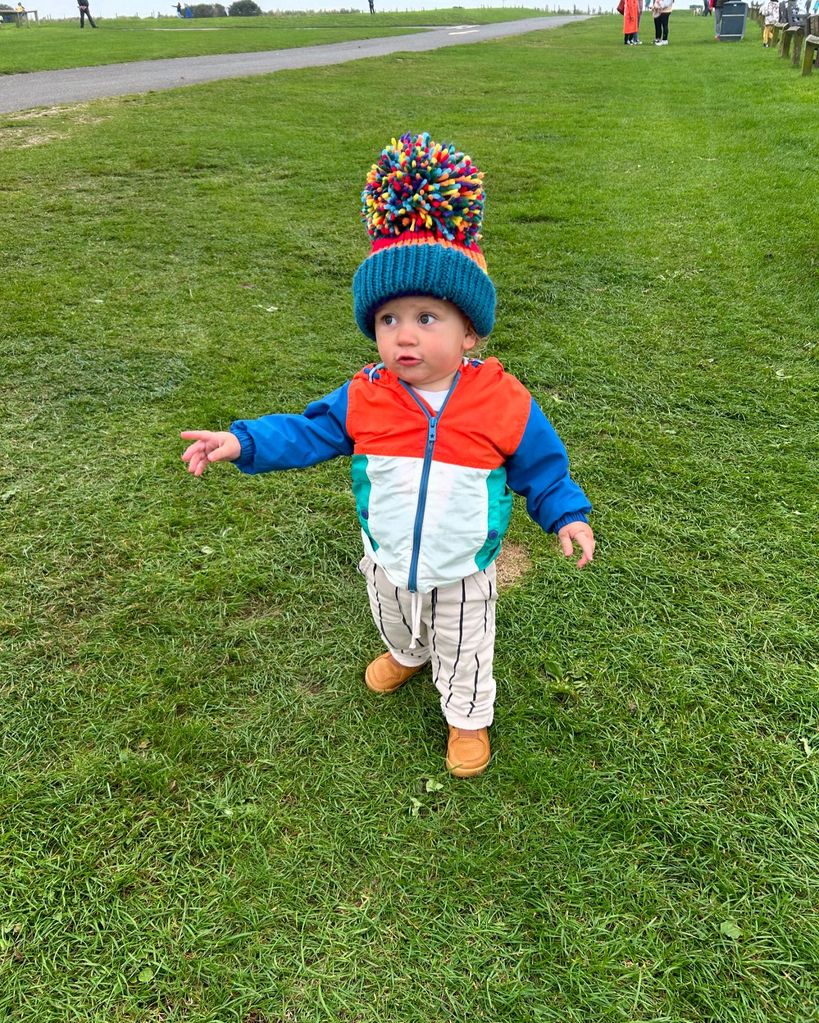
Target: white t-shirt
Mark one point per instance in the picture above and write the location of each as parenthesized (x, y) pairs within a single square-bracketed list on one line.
[(434, 399)]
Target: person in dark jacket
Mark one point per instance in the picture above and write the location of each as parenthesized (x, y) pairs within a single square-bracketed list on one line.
[(85, 12)]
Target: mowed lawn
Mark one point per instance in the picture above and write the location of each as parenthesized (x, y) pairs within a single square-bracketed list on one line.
[(59, 44), (204, 814)]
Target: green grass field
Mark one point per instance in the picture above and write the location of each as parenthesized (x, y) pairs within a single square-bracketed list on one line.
[(59, 44), (204, 815)]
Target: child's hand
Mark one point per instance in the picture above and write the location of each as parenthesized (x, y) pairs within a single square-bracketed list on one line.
[(209, 447), (577, 533)]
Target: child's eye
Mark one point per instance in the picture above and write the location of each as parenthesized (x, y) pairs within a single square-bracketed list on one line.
[(426, 318), (388, 319)]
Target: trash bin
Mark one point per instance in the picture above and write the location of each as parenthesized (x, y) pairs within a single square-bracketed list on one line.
[(732, 25)]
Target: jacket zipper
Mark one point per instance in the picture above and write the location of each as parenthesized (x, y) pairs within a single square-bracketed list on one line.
[(432, 430)]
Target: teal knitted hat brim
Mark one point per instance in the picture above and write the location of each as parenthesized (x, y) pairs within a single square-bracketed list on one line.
[(413, 269)]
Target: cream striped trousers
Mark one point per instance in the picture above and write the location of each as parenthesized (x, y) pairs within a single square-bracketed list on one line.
[(455, 631)]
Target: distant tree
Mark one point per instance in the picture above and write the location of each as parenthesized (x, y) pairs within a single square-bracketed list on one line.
[(209, 11), (244, 9)]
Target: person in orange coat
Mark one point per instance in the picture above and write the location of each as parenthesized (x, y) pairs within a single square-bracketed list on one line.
[(631, 22)]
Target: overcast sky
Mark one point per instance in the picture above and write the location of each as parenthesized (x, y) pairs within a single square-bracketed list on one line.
[(149, 8)]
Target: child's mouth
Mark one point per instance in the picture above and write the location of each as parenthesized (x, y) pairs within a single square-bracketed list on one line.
[(408, 360)]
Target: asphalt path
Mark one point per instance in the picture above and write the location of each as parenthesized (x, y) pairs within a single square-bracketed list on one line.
[(76, 85)]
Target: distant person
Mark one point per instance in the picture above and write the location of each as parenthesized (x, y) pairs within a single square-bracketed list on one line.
[(661, 9), (717, 5), (706, 8), (178, 9), (85, 12), (372, 6), (637, 39), (631, 22), (21, 13), (770, 12)]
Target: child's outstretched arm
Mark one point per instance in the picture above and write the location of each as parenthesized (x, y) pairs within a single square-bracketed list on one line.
[(275, 442), (209, 446)]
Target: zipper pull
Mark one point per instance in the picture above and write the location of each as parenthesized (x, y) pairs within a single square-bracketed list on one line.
[(433, 426)]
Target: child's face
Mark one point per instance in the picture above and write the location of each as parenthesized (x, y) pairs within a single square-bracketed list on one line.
[(422, 340)]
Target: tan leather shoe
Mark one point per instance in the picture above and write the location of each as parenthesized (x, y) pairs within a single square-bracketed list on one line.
[(467, 754), (385, 675)]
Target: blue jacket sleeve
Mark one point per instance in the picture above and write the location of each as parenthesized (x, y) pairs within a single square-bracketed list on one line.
[(295, 441), (539, 471)]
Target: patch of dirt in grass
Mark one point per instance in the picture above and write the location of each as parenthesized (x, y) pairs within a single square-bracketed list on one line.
[(33, 115), (21, 138), (20, 133), (512, 564), (77, 110)]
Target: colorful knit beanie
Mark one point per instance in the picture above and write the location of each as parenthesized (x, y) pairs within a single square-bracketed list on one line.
[(423, 205)]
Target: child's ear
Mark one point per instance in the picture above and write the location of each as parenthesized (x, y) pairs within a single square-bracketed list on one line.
[(471, 338)]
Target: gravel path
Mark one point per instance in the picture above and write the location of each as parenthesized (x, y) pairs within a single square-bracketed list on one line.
[(75, 85)]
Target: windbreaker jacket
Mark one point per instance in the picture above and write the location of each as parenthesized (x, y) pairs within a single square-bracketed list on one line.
[(433, 492)]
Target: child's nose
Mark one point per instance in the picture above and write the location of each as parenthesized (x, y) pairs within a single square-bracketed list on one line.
[(406, 334)]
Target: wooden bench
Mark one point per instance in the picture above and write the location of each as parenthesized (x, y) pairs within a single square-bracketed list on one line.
[(792, 33), (811, 49), (787, 13), (779, 30)]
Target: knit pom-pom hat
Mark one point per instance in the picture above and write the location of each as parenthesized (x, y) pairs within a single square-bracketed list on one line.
[(423, 206)]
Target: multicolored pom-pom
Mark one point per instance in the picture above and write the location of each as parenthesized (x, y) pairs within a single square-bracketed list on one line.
[(421, 185)]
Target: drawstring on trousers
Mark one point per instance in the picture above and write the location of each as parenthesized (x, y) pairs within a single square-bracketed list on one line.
[(415, 614)]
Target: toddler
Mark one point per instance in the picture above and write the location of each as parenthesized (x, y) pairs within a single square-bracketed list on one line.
[(438, 439), (770, 12)]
